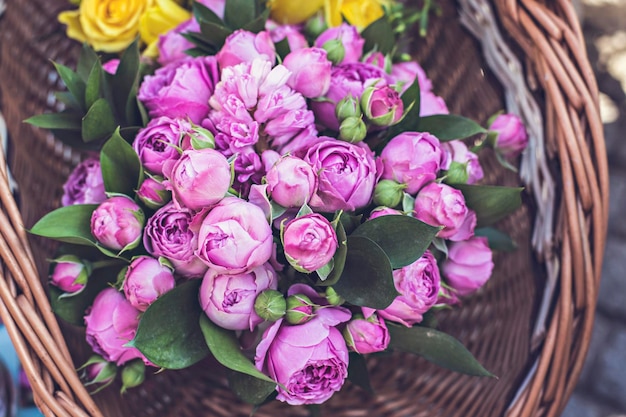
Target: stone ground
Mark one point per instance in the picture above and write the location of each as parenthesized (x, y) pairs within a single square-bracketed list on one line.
[(601, 390)]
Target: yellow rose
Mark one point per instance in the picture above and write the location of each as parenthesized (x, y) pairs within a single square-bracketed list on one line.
[(162, 17), (359, 13), (107, 25), (293, 12)]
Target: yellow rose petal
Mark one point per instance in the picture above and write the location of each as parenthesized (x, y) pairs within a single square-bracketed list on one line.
[(361, 13), (332, 12), (293, 12), (74, 29)]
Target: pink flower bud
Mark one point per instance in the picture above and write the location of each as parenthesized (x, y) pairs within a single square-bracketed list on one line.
[(153, 194), (310, 242), (310, 71), (199, 179), (243, 46), (118, 223), (469, 265), (411, 158), (146, 280), (291, 182), (382, 105), (295, 38), (442, 205), (512, 136), (299, 309), (462, 164), (431, 104), (98, 373), (159, 142), (70, 274), (366, 335), (111, 65)]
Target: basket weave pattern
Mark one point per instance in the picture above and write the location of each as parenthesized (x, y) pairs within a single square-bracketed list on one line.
[(537, 370)]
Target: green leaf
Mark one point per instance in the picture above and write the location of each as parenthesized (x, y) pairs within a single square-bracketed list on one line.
[(237, 13), (99, 122), (73, 82), (66, 121), (215, 34), (449, 126), (411, 100), (204, 14), (168, 333), (72, 309), (282, 48), (498, 240), (94, 84), (225, 348), (86, 61), (379, 36), (339, 259), (250, 389), (121, 168), (358, 373), (436, 347), (71, 224), (403, 238), (367, 278), (124, 82), (257, 25), (491, 202), (69, 100)]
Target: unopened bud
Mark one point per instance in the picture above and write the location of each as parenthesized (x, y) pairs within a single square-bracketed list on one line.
[(299, 309), (270, 305), (335, 50), (352, 130), (133, 374), (348, 107), (388, 193), (334, 298)]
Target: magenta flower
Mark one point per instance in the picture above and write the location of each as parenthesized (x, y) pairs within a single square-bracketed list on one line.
[(228, 299), (411, 158), (111, 322), (350, 39), (153, 194), (310, 71), (159, 142), (84, 185), (512, 136), (199, 179), (243, 46), (309, 241), (431, 104), (291, 182), (180, 89), (234, 237), (456, 153), (172, 45), (382, 105), (167, 234), (347, 175), (441, 205), (366, 335), (295, 38), (69, 274), (418, 285), (405, 73), (469, 265), (146, 280), (117, 223)]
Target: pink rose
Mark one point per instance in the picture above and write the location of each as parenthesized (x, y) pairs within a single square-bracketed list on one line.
[(117, 223), (460, 161), (431, 104), (382, 105), (418, 285), (69, 274), (158, 142), (234, 237), (291, 182), (168, 234), (172, 45), (310, 359), (228, 300), (350, 39), (512, 136), (199, 179), (295, 38), (110, 323), (469, 265), (146, 280), (243, 46), (384, 211), (366, 335), (347, 174), (97, 373), (181, 89), (310, 71), (405, 73), (411, 158), (441, 205), (309, 241), (85, 184)]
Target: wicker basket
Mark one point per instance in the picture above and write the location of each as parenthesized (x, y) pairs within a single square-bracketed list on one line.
[(531, 325)]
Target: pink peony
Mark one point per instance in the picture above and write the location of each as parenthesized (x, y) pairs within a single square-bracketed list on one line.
[(117, 223), (512, 136), (367, 335), (146, 280), (84, 185), (172, 45), (469, 265), (309, 242), (310, 71), (243, 46), (291, 182), (456, 153), (158, 142), (69, 274), (350, 39)]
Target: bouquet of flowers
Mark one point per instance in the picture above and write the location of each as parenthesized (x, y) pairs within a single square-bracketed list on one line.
[(288, 198)]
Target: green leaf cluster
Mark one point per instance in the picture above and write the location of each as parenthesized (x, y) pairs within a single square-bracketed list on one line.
[(96, 102)]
